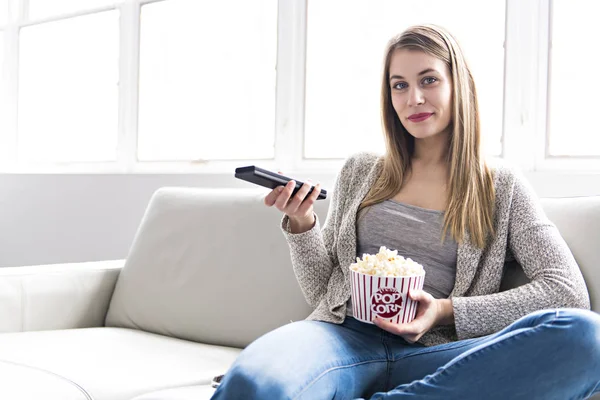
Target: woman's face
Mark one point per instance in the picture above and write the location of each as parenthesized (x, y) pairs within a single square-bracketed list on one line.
[(421, 91)]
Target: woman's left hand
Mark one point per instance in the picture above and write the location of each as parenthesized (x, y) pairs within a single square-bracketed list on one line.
[(430, 313)]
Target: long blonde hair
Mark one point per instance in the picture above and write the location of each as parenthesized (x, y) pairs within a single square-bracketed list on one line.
[(471, 197)]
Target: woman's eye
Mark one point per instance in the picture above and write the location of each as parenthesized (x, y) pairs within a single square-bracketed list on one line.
[(429, 80), (400, 85)]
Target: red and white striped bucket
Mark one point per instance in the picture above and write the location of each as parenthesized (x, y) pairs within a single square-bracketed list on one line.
[(385, 297)]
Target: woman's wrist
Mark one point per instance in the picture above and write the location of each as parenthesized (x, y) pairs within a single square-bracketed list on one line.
[(301, 225), (445, 312)]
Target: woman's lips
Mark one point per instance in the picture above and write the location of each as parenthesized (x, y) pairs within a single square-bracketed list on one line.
[(419, 117)]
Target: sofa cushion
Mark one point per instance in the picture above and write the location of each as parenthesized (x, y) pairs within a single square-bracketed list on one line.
[(17, 384), (111, 363), (208, 265), (203, 392)]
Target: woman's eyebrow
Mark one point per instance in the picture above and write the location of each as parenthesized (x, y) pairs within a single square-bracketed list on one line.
[(425, 71)]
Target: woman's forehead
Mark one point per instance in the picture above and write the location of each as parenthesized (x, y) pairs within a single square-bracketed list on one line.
[(407, 63)]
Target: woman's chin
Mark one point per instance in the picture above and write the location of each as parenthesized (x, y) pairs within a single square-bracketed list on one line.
[(424, 134)]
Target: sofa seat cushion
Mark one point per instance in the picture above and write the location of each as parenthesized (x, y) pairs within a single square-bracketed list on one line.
[(198, 392), (24, 382), (113, 363)]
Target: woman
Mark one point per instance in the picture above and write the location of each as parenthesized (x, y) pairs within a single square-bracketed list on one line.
[(432, 197)]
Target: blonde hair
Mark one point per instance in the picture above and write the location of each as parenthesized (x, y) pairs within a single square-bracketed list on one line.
[(471, 196)]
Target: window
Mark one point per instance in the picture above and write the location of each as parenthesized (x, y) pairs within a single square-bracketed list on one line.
[(203, 86), (345, 45), (207, 80), (68, 90), (3, 11), (41, 9), (3, 16), (573, 88), (2, 89), (1, 50)]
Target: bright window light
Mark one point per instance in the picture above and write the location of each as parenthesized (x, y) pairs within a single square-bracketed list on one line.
[(68, 90), (573, 94), (2, 98), (3, 11), (207, 80), (39, 9), (346, 42)]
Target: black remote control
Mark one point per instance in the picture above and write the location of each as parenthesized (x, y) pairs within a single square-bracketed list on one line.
[(271, 180)]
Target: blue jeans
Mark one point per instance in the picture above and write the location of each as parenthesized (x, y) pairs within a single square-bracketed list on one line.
[(550, 354)]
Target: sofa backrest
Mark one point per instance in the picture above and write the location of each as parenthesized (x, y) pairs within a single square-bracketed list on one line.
[(578, 221), (211, 265), (208, 265)]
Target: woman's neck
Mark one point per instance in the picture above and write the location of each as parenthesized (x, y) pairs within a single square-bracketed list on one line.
[(431, 151)]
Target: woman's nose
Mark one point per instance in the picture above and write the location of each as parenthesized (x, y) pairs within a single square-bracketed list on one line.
[(415, 97)]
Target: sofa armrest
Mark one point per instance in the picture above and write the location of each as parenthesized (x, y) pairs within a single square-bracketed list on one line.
[(58, 296)]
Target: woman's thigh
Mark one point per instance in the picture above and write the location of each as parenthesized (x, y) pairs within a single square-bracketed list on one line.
[(409, 362), (310, 359), (528, 349)]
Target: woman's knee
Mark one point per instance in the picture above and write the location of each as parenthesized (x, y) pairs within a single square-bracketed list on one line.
[(245, 380), (584, 323), (587, 321), (582, 333), (278, 363)]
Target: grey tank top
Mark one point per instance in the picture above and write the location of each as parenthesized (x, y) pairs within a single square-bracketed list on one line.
[(416, 233)]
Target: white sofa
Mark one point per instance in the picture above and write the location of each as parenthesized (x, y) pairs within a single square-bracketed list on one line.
[(208, 272)]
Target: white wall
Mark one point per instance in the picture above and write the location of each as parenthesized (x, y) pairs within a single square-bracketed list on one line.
[(70, 218)]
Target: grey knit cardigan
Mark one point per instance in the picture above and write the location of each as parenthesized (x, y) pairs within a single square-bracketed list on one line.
[(321, 257)]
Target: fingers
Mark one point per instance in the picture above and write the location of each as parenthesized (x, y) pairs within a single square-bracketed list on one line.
[(419, 295), (308, 199), (298, 204), (272, 196), (411, 332), (398, 329), (284, 196), (308, 202), (294, 204)]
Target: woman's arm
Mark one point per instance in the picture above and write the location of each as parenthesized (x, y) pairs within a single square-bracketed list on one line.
[(538, 247), (313, 251), (446, 312)]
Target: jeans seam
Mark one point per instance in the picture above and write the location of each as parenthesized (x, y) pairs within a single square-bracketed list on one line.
[(322, 374), (388, 356), (592, 392), (493, 346), (425, 351)]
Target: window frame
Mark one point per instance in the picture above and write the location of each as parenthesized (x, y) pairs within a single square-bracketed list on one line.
[(525, 116)]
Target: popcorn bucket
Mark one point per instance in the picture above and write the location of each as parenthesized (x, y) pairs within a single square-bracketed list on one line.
[(386, 297)]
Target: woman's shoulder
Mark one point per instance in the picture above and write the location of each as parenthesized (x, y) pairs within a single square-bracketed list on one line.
[(511, 185), (505, 173), (358, 169), (361, 162)]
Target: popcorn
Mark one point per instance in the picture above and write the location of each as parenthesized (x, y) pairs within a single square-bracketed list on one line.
[(387, 263)]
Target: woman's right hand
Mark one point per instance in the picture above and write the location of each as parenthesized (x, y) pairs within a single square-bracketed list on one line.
[(298, 208)]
